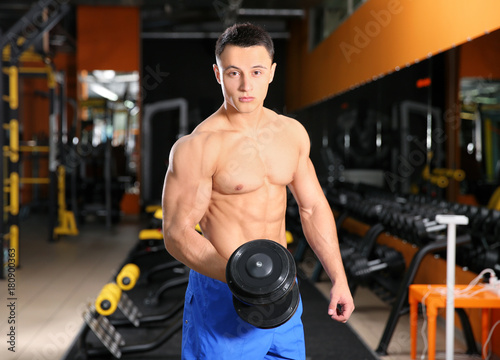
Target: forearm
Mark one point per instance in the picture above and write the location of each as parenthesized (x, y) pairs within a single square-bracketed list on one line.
[(320, 231), (195, 251)]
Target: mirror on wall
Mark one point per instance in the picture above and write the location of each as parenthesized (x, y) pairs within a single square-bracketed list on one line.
[(480, 128), (109, 110), (327, 17), (105, 153)]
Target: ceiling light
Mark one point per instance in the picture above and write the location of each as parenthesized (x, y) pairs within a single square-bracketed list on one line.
[(104, 92)]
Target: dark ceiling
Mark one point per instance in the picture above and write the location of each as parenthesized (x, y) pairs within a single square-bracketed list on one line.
[(169, 18)]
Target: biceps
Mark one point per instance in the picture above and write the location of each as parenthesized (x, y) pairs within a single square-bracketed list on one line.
[(185, 202)]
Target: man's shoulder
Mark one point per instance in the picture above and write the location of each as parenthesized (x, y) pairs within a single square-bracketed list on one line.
[(274, 116), (202, 144), (288, 123), (194, 141)]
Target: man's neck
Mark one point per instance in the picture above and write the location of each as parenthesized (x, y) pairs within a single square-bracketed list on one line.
[(243, 121)]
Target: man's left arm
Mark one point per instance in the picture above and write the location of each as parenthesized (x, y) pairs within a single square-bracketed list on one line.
[(320, 231)]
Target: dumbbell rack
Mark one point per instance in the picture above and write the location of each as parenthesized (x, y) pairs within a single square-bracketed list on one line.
[(399, 303), (411, 219)]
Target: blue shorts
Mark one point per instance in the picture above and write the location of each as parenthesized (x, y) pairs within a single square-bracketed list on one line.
[(213, 330)]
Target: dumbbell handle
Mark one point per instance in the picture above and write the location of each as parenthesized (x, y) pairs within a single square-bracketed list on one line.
[(376, 265), (373, 262), (431, 226), (372, 266), (434, 228)]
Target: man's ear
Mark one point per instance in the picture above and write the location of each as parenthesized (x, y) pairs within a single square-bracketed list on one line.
[(273, 69), (217, 73)]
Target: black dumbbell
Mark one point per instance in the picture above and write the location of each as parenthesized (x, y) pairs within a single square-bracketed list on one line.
[(424, 228), (386, 259), (496, 230), (477, 221), (471, 212), (489, 224), (481, 258), (261, 275)]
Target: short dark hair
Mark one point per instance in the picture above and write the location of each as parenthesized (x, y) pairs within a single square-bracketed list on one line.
[(244, 35)]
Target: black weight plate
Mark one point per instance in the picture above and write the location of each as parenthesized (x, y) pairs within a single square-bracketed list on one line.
[(272, 315), (255, 286), (260, 289), (259, 265), (245, 262)]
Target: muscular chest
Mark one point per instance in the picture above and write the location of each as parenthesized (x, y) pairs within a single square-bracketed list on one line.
[(248, 163)]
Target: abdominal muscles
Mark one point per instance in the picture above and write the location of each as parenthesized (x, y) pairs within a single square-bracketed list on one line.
[(233, 219)]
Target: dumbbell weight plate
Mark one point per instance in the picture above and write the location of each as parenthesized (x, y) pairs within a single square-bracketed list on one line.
[(260, 272), (269, 316)]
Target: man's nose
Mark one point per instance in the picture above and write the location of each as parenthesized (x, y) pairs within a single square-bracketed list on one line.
[(245, 84)]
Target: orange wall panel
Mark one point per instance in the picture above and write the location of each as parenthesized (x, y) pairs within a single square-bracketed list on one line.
[(481, 57), (108, 38), (381, 37)]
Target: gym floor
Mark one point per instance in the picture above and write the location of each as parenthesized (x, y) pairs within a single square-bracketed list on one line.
[(56, 281)]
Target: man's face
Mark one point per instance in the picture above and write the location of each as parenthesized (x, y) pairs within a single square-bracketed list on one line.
[(244, 74)]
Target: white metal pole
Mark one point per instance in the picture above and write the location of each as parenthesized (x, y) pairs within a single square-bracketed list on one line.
[(450, 291), (452, 221)]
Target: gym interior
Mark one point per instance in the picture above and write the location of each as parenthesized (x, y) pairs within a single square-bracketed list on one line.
[(401, 101)]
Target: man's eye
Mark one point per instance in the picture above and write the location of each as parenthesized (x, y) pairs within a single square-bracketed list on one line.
[(233, 73), (257, 72)]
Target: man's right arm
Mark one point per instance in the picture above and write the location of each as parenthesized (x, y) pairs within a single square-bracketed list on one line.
[(186, 196)]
